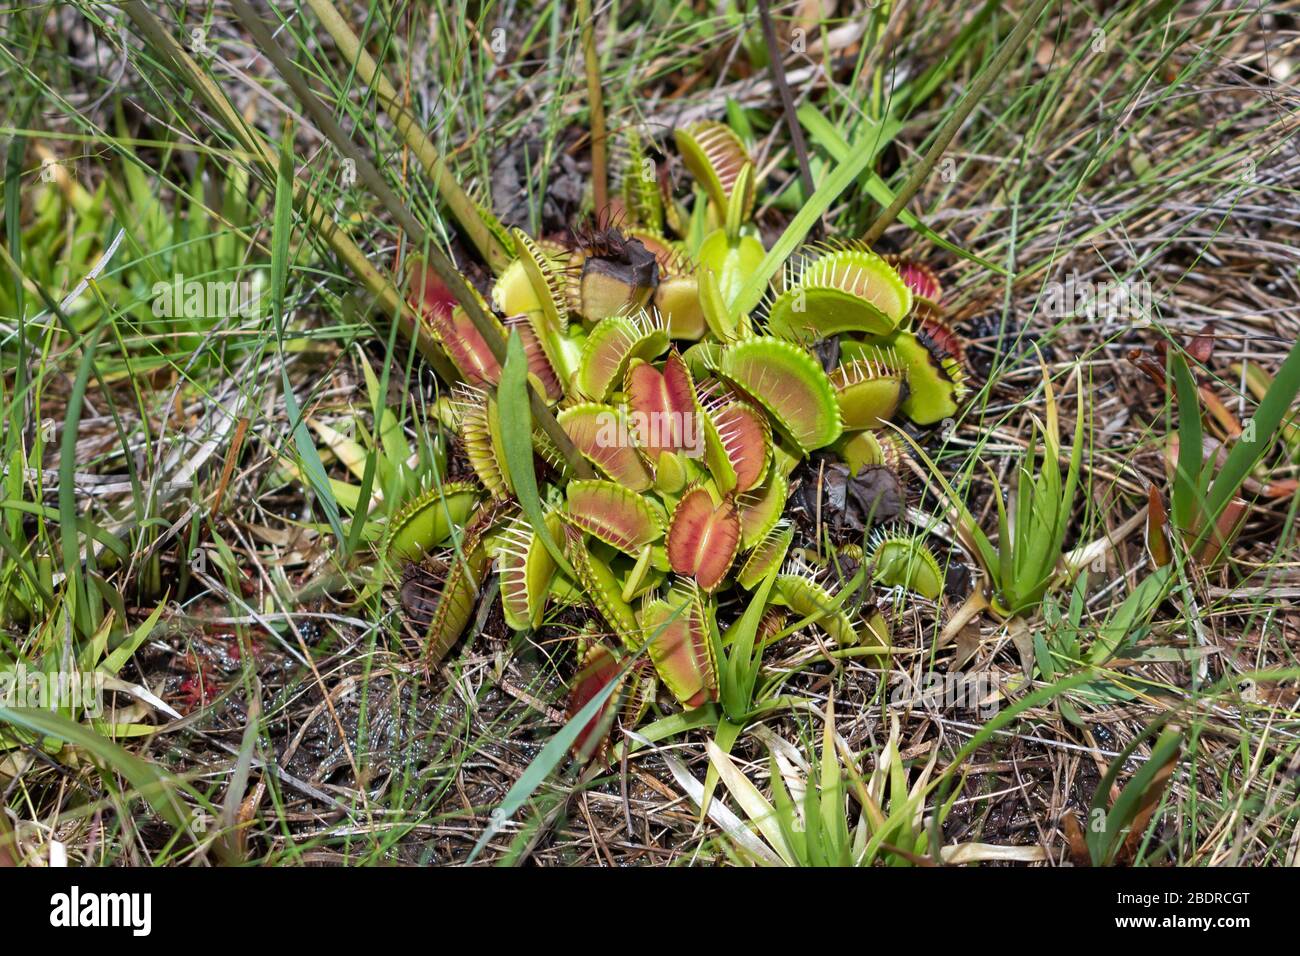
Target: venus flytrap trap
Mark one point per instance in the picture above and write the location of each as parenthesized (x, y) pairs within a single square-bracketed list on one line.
[(905, 561)]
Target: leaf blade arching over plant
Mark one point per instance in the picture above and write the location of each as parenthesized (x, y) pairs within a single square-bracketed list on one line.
[(517, 446), (452, 328), (809, 599), (540, 366)]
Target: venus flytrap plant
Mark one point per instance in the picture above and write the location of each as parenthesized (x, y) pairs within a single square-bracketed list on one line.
[(605, 334), (677, 466), (649, 545), (588, 317)]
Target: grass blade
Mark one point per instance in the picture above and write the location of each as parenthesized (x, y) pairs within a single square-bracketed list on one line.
[(153, 784), (861, 156), (517, 443), (281, 228), (1268, 417)]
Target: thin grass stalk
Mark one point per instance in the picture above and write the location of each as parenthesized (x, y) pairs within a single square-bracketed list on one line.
[(462, 207), (955, 120), (776, 70), (447, 272), (596, 103), (386, 293)]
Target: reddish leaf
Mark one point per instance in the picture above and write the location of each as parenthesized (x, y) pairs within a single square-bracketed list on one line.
[(1157, 544), (1281, 489), (1147, 807), (703, 540), (661, 405), (1201, 348), (1226, 529), (457, 335), (1079, 854), (598, 668), (1152, 370), (746, 436)]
